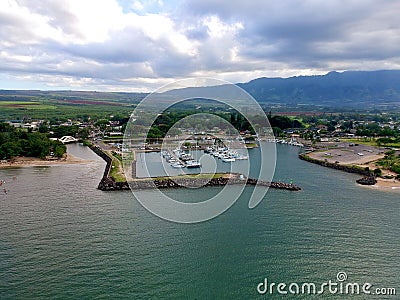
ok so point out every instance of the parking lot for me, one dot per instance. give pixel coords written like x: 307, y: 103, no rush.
x: 346, y: 153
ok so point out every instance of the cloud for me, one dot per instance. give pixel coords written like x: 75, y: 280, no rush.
x: 112, y: 44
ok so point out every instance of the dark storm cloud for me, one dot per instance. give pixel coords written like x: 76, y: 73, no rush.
x: 298, y: 30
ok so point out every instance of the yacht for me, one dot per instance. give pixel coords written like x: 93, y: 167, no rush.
x: 208, y: 150
x: 193, y: 164
x: 177, y: 165
x: 228, y: 159
x: 242, y: 157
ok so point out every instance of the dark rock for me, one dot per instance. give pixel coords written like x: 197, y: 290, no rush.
x: 367, y: 180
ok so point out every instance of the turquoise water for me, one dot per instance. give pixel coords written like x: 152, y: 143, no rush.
x: 61, y: 238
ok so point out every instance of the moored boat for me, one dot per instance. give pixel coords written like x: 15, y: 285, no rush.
x: 193, y: 164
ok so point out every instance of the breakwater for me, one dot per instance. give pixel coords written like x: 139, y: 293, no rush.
x: 367, y: 179
x: 190, y: 181
x: 107, y: 183
x: 346, y: 168
x: 103, y: 155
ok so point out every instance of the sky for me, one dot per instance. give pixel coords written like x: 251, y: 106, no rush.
x: 118, y: 45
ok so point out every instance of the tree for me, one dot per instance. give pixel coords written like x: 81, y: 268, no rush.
x: 15, y: 142
x: 43, y: 128
x: 378, y: 172
x: 102, y: 124
x: 83, y: 133
x: 277, y: 131
x: 10, y: 150
x: 59, y: 150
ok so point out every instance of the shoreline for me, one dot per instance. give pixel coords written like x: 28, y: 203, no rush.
x: 356, y: 167
x: 26, y: 162
x: 386, y: 185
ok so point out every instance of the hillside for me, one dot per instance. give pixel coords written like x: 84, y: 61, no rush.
x: 351, y: 88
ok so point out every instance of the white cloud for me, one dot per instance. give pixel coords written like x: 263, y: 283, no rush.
x: 143, y: 44
x: 217, y: 28
x: 4, y: 55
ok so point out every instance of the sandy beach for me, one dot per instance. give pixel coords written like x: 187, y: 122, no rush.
x: 21, y: 162
x: 388, y: 185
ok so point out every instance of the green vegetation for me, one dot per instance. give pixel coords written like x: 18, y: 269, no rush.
x: 117, y: 156
x: 384, y: 141
x: 364, y: 141
x: 209, y: 176
x: 373, y: 129
x: 116, y: 171
x: 377, y: 172
x: 16, y: 142
x: 18, y: 103
x: 388, y: 142
x: 284, y: 122
x: 251, y: 145
x: 165, y: 121
x: 63, y: 105
x: 391, y: 162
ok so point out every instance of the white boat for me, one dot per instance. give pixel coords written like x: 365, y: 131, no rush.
x: 177, y: 165
x: 208, y: 150
x: 228, y: 159
x: 186, y: 156
x: 233, y: 154
x: 192, y: 164
x: 222, y: 154
x: 242, y: 157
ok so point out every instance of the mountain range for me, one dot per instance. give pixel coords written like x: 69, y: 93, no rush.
x: 349, y: 88
x: 359, y: 89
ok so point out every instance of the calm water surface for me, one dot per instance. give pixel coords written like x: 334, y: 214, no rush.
x: 61, y: 238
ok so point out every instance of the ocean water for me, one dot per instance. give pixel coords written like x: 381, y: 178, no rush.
x: 61, y: 238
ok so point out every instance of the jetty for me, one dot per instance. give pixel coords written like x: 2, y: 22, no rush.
x: 192, y: 180
x: 368, y: 177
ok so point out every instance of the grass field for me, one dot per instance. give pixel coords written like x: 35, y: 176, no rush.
x: 25, y: 105
x: 116, y: 171
x: 204, y: 175
x: 18, y: 103
x: 14, y: 110
x: 370, y: 142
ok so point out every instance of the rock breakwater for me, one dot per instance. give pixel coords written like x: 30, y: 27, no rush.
x: 368, y: 178
x: 108, y: 184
